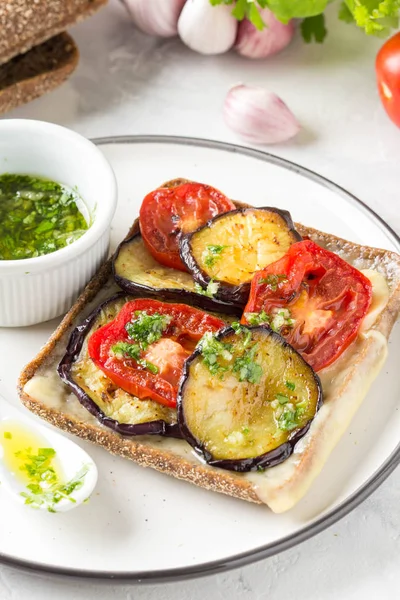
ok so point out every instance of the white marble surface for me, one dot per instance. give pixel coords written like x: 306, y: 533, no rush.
x: 128, y: 83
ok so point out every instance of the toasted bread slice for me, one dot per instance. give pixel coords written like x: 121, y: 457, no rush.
x: 27, y: 23
x: 345, y: 384
x: 36, y: 72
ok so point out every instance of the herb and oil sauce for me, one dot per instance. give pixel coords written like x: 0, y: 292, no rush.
x: 37, y: 217
x: 37, y: 467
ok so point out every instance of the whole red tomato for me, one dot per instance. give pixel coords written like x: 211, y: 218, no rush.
x: 388, y: 74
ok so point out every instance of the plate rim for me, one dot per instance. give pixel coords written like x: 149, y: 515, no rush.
x: 251, y: 556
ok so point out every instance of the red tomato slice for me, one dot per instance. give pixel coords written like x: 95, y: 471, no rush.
x: 167, y: 213
x: 326, y: 299
x: 388, y: 76
x: 167, y: 353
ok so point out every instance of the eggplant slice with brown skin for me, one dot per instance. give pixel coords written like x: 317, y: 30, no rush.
x: 137, y: 272
x: 112, y: 406
x: 246, y: 398
x: 231, y: 247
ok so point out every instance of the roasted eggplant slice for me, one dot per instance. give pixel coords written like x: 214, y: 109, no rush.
x: 112, y: 406
x: 230, y: 248
x: 246, y: 398
x: 137, y: 272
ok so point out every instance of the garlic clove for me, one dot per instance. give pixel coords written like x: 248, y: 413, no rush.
x: 207, y: 29
x: 156, y: 17
x: 259, y: 116
x: 275, y: 36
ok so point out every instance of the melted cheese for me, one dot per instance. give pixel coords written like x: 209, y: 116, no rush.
x: 344, y: 384
x: 380, y: 297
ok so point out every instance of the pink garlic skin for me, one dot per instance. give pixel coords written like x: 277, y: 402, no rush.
x: 259, y: 116
x: 275, y: 36
x: 156, y: 17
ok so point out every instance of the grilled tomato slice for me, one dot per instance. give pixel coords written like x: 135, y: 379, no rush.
x: 232, y: 247
x: 112, y: 406
x: 143, y: 350
x: 312, y: 297
x: 169, y: 212
x: 246, y: 398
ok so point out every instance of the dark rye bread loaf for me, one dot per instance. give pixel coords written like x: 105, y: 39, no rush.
x: 41, y: 69
x: 27, y: 23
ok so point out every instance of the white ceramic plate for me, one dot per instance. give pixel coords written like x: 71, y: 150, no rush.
x: 144, y: 525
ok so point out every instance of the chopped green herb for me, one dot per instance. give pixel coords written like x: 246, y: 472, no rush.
x: 282, y: 399
x: 40, y: 495
x: 210, y: 291
x: 147, y: 329
x: 245, y: 430
x: 290, y: 385
x: 212, y: 254
x: 260, y: 469
x: 260, y: 318
x: 273, y: 281
x: 288, y: 420
x: 7, y: 435
x: 127, y: 350
x: 38, y: 466
x: 212, y: 350
x: 37, y: 217
x: 281, y: 318
x: 246, y: 368
x: 240, y: 329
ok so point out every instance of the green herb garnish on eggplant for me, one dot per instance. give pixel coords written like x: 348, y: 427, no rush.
x: 246, y: 398
x: 137, y: 272
x: 112, y: 406
x: 231, y: 247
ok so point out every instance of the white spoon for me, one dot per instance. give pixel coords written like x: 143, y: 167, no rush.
x: 18, y: 432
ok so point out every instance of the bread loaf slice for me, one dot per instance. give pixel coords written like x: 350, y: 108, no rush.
x: 280, y: 487
x: 27, y: 23
x: 30, y: 75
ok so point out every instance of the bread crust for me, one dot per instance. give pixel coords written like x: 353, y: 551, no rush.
x: 166, y: 461
x: 40, y: 70
x: 25, y: 24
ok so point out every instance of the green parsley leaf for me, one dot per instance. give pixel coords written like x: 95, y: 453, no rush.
x: 284, y: 10
x: 345, y: 14
x: 376, y: 17
x: 313, y: 29
x: 290, y: 385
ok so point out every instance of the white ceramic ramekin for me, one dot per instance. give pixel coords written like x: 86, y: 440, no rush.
x: 33, y: 290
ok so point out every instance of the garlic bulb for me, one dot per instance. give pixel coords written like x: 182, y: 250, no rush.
x: 207, y: 29
x: 259, y: 116
x: 156, y: 17
x: 275, y: 36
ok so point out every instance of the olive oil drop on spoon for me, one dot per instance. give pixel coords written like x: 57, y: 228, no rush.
x: 41, y: 468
